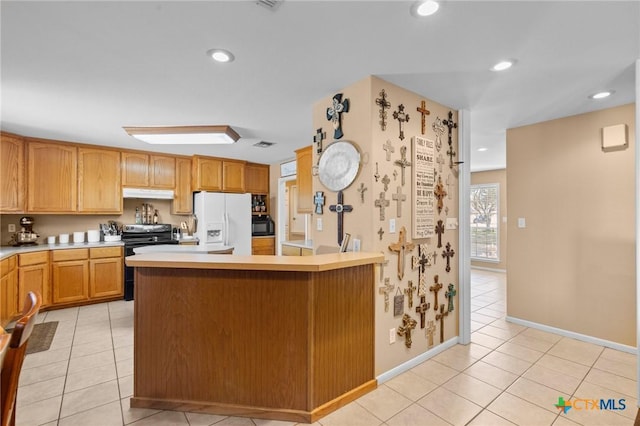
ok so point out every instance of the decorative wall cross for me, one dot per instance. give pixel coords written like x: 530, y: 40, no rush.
x: 409, y: 292
x: 381, y: 203
x: 318, y: 138
x: 408, y: 324
x: 438, y: 128
x: 380, y: 233
x: 449, y: 185
x: 402, y: 118
x: 340, y: 209
x: 334, y: 114
x: 422, y: 309
x: 402, y: 162
x: 361, y: 190
x: 422, y: 109
x: 389, y: 149
x: 395, y: 175
x: 384, y: 104
x: 402, y: 247
x: 440, y: 193
x: 451, y: 125
x: 382, y: 265
x: 440, y: 161
x: 385, y: 181
x: 421, y: 262
x: 318, y: 200
x: 440, y: 230
x: 450, y: 294
x: 399, y: 197
x: 440, y: 317
x: 431, y: 328
x: 376, y: 175
x: 435, y: 288
x: 386, y: 289
x: 451, y: 153
x: 448, y: 254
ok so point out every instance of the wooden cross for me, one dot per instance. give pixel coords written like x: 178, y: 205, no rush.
x: 385, y: 182
x: 380, y: 233
x: 448, y: 253
x: 376, y: 175
x: 440, y: 317
x: 402, y: 162
x: 381, y: 203
x: 399, y: 197
x: 402, y: 117
x: 431, y: 328
x: 438, y: 128
x: 451, y: 153
x: 440, y: 231
x: 318, y: 200
x: 449, y: 185
x: 409, y: 292
x: 421, y: 261
x: 440, y: 193
x: 340, y: 208
x: 384, y: 104
x: 422, y: 109
x: 361, y: 190
x: 408, y: 324
x: 440, y: 161
x: 389, y: 149
x: 451, y: 125
x: 422, y: 309
x: 318, y: 138
x: 382, y: 265
x: 435, y: 288
x: 401, y: 247
x: 449, y: 294
x: 334, y: 114
x: 386, y: 289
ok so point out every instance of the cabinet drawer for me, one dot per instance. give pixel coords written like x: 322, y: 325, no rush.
x: 27, y: 259
x: 290, y: 251
x: 70, y: 254
x: 7, y: 265
x: 100, y: 252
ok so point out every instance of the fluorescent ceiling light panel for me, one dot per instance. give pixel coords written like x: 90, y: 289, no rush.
x: 184, y: 135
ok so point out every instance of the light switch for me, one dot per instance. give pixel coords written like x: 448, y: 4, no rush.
x: 356, y: 244
x: 319, y: 224
x: 504, y: 219
x: 522, y: 223
x: 392, y: 226
x: 392, y: 336
x: 452, y: 223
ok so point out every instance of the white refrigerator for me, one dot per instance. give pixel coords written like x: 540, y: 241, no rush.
x: 224, y: 220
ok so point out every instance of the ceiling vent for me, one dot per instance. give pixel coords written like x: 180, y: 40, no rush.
x: 263, y: 144
x: 270, y: 4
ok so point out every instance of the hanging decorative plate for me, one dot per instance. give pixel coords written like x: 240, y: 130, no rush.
x: 339, y: 165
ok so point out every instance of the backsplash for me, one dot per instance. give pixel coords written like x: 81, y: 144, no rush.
x: 56, y: 224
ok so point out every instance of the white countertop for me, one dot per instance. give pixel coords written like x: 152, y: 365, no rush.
x: 305, y: 244
x: 175, y: 248
x: 6, y: 251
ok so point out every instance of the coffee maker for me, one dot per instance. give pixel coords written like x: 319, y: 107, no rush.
x: 26, y: 235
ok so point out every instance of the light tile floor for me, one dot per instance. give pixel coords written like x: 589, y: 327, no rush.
x: 508, y: 375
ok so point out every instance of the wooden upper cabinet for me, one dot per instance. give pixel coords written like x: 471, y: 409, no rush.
x: 256, y: 178
x: 11, y: 173
x: 162, y: 172
x: 135, y: 169
x: 51, y: 177
x: 183, y: 197
x: 233, y: 176
x: 304, y: 162
x: 99, y: 188
x: 207, y: 174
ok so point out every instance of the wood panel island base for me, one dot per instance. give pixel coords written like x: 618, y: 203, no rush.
x: 274, y: 337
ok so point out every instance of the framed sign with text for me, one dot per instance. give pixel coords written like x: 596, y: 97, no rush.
x: 423, y: 223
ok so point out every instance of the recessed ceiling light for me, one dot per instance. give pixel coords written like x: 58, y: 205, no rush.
x: 221, y: 55
x: 425, y: 8
x: 602, y: 95
x: 483, y: 149
x: 503, y: 65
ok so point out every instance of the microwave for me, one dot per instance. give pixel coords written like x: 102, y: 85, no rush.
x: 262, y: 225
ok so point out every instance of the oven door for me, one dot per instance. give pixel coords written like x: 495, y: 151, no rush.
x: 129, y: 284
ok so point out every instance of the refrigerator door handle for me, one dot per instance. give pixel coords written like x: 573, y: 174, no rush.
x: 226, y: 229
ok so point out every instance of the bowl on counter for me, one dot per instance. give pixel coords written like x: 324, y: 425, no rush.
x: 112, y: 238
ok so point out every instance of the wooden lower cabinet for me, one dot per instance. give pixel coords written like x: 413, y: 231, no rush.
x: 106, y: 277
x: 33, y: 275
x: 8, y: 289
x: 263, y: 245
x: 296, y: 251
x: 70, y: 275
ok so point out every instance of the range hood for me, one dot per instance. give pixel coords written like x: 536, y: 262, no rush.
x: 155, y: 194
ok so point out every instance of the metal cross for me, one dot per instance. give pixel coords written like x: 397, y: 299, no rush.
x: 382, y: 265
x: 440, y: 317
x: 334, y: 114
x: 376, y: 175
x: 422, y: 109
x: 402, y: 247
x: 408, y: 324
x: 340, y: 209
x: 422, y: 260
x: 422, y: 309
x: 384, y: 104
x: 402, y: 162
x: 409, y: 292
x: 380, y: 233
x: 385, y: 182
x: 318, y: 200
x: 386, y: 289
x: 389, y: 149
x: 439, y: 230
x: 431, y: 328
x: 448, y: 254
x: 435, y: 288
x: 451, y: 153
x: 361, y: 190
x: 381, y: 203
x: 402, y: 117
x: 440, y: 193
x: 399, y: 197
x: 449, y: 185
x: 451, y: 292
x: 439, y: 129
x: 440, y: 161
x: 451, y: 125
x: 318, y: 138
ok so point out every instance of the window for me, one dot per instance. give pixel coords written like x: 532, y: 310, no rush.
x: 484, y: 222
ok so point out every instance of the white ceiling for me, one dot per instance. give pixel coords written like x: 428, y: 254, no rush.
x: 79, y: 71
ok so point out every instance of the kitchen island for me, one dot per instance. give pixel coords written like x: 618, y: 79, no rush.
x: 274, y: 337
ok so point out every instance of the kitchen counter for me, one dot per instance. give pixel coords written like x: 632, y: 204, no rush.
x: 305, y: 244
x: 175, y: 248
x: 6, y: 251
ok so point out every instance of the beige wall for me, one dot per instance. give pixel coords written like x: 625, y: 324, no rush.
x: 360, y: 126
x: 499, y: 177
x: 573, y: 266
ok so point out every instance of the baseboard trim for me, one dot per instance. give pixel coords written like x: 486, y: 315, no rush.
x: 406, y: 366
x: 483, y: 268
x: 574, y: 335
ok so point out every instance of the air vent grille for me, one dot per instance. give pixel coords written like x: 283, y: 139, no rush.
x: 263, y: 144
x: 270, y: 4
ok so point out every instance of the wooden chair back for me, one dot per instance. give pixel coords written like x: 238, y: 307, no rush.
x: 14, y: 358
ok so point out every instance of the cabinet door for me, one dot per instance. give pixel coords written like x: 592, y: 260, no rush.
x: 256, y: 178
x: 183, y: 196
x: 106, y: 277
x: 34, y: 278
x: 99, y: 185
x: 263, y: 245
x: 135, y: 170
x: 70, y: 281
x: 162, y: 172
x: 207, y: 174
x: 233, y: 176
x: 11, y: 301
x: 304, y: 162
x: 11, y: 174
x: 52, y: 182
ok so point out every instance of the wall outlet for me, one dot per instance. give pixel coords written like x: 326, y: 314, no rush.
x: 392, y: 336
x: 392, y: 226
x: 319, y: 224
x: 522, y: 223
x: 452, y: 223
x: 12, y: 227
